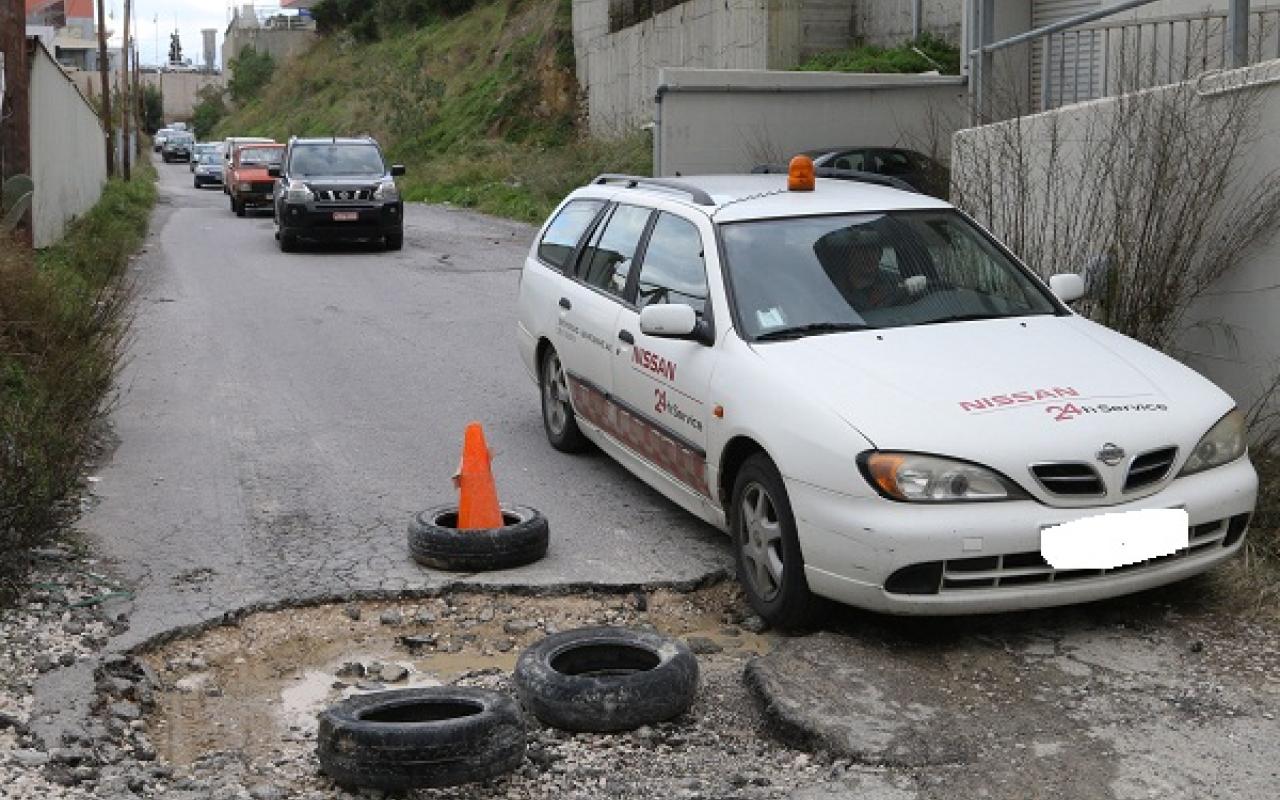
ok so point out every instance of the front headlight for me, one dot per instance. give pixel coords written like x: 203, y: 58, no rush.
x: 299, y: 193
x: 918, y: 478
x: 1223, y: 444
x: 244, y: 187
x: 386, y: 190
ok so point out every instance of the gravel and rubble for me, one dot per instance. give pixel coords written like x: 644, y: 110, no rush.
x: 1121, y: 700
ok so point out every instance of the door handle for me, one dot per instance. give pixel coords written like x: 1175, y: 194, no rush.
x: 625, y: 335
x: 565, y: 304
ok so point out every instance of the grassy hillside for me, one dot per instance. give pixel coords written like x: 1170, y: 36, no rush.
x: 482, y: 108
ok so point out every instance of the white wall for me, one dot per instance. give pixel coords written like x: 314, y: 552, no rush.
x: 68, y: 151
x: 180, y: 89
x: 719, y: 121
x: 887, y: 23
x: 1232, y: 334
x: 619, y: 71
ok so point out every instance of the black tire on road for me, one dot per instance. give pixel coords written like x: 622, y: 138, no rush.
x: 765, y: 542
x: 240, y: 209
x: 419, y: 738
x: 288, y: 241
x: 606, y: 680
x: 435, y: 541
x: 558, y: 418
x: 394, y: 241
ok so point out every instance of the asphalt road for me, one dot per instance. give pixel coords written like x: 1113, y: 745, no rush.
x: 282, y: 416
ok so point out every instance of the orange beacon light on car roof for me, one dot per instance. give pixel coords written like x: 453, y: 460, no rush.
x: 800, y: 174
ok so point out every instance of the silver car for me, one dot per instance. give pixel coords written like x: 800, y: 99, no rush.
x: 207, y: 170
x: 200, y: 148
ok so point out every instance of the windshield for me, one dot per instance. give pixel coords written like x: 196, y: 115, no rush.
x: 208, y: 158
x: 261, y: 156
x: 336, y: 159
x: 810, y: 275
x: 178, y: 138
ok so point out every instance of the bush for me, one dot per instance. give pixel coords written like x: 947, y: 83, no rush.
x: 209, y: 111
x: 152, y: 109
x: 62, y: 319
x: 250, y: 71
x: 938, y: 55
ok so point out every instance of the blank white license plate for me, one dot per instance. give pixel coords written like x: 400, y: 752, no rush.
x: 1107, y: 541
x: 346, y: 216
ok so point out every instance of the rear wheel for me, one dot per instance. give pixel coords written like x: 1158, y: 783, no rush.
x: 766, y: 548
x: 557, y: 413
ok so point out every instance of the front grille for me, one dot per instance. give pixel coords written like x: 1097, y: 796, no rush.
x: 1150, y: 468
x: 334, y: 195
x: 1022, y: 569
x: 1069, y: 479
x: 263, y: 186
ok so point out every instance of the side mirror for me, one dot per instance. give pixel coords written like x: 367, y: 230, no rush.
x: 397, y: 170
x: 1068, y: 286
x: 669, y: 320
x: 273, y: 172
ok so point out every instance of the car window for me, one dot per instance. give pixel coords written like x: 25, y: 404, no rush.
x: 673, y: 270
x: 606, y: 261
x: 849, y: 160
x: 260, y: 156
x: 565, y: 231
x: 880, y: 270
x: 336, y: 160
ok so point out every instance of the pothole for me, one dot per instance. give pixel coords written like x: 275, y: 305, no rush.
x: 259, y: 684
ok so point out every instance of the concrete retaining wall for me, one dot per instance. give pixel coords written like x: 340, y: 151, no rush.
x: 281, y: 44
x: 1232, y: 334
x: 68, y: 151
x: 717, y: 121
x: 180, y: 89
x: 887, y: 23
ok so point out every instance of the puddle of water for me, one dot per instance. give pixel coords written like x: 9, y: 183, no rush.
x: 261, y: 683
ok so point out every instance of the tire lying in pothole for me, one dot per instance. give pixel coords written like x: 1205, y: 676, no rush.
x: 435, y: 541
x: 607, y: 679
x: 420, y: 738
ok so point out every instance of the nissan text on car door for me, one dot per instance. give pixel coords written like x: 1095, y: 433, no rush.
x: 877, y: 401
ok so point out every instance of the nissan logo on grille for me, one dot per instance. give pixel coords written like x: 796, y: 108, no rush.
x: 1111, y: 454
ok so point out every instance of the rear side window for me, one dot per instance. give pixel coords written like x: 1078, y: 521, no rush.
x: 565, y: 231
x: 606, y: 261
x: 673, y: 270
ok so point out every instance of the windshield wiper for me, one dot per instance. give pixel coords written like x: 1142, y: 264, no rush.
x: 966, y: 318
x: 796, y: 331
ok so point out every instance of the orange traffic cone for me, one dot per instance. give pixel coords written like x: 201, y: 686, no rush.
x: 477, y: 495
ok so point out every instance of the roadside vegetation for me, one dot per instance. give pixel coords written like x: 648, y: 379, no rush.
x: 921, y: 55
x: 478, y: 100
x: 62, y: 319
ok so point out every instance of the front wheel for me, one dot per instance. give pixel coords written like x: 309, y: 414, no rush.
x: 394, y: 241
x: 557, y: 412
x: 766, y: 548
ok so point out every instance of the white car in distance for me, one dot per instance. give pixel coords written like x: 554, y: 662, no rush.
x: 877, y: 401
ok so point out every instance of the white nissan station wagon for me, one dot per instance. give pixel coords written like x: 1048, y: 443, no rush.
x: 875, y: 399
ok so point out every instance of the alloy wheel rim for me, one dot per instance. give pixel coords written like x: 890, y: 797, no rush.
x: 555, y: 395
x: 760, y: 540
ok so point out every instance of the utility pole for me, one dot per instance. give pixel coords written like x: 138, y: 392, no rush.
x: 126, y: 109
x: 15, y: 121
x: 105, y: 73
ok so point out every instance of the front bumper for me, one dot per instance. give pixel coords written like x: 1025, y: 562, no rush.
x: 317, y: 221
x: 253, y: 199
x: 852, y: 546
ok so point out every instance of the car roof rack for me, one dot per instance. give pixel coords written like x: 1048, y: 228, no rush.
x: 633, y: 181
x: 842, y: 175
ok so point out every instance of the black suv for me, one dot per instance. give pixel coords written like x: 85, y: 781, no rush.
x: 337, y: 189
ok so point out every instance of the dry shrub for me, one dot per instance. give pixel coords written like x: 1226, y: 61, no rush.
x: 62, y: 323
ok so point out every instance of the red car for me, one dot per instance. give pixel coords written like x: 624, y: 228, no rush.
x: 248, y: 182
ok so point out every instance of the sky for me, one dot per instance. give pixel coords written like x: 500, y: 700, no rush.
x: 189, y: 17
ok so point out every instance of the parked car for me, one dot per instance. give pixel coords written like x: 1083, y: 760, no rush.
x: 337, y: 189
x: 207, y: 170
x: 157, y: 141
x: 874, y: 397
x: 198, y: 149
x: 916, y: 169
x: 228, y: 148
x: 249, y: 182
x: 177, y: 147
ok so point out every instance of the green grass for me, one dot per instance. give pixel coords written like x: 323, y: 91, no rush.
x: 62, y: 320
x: 942, y: 56
x: 482, y: 108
